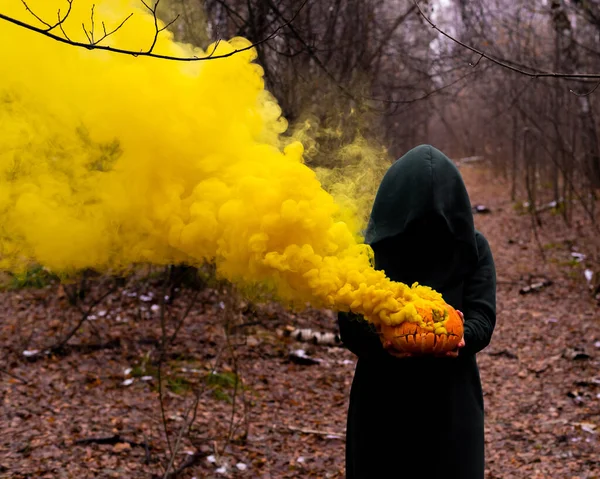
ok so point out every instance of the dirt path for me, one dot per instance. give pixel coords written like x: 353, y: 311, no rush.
x: 541, y: 377
x: 538, y: 390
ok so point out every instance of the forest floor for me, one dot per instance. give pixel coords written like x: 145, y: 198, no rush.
x: 236, y: 404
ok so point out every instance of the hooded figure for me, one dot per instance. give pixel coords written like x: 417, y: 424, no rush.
x: 422, y: 417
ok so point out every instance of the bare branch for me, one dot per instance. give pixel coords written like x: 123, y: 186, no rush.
x: 85, y: 314
x: 186, y: 422
x: 183, y: 317
x: 215, y: 48
x: 86, y: 34
x: 107, y: 34
x: 59, y: 22
x: 526, y: 70
x: 157, y: 31
x: 14, y: 376
x: 91, y: 45
x: 335, y: 434
x: 312, y: 53
x: 38, y: 18
x: 477, y: 62
x: 425, y: 95
x: 585, y: 94
x: 169, y: 24
x: 147, y: 6
x: 161, y: 359
x: 92, y: 22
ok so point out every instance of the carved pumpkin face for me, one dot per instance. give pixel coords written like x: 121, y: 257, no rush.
x: 438, y: 333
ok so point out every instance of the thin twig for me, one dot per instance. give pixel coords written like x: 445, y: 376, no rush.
x: 585, y: 94
x: 84, y: 31
x: 238, y: 382
x: 157, y: 31
x: 188, y: 423
x: 178, y: 441
x: 148, y: 457
x: 61, y: 26
x: 14, y: 376
x: 531, y: 191
x: 37, y: 18
x: 167, y: 25
x: 183, y: 317
x: 108, y: 34
x: 477, y: 62
x: 92, y: 23
x: 190, y: 461
x: 161, y: 359
x: 425, y: 95
x: 569, y: 180
x: 302, y: 430
x: 235, y: 372
x: 84, y: 316
x: 201, y: 391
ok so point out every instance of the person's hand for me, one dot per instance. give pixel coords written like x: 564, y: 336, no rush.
x: 461, y: 344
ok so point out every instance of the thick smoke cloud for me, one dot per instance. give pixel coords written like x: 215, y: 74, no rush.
x: 108, y: 160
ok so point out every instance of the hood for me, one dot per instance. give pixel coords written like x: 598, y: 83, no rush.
x: 424, y: 183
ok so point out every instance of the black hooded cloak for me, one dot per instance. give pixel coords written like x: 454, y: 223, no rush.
x: 422, y: 417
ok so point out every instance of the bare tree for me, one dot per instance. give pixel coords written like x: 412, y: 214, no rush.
x: 539, y: 88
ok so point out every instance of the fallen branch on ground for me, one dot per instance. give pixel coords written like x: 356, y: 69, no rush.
x: 504, y: 353
x: 535, y: 287
x: 190, y: 461
x: 329, y: 434
x: 14, y: 376
x: 112, y: 440
x: 315, y: 337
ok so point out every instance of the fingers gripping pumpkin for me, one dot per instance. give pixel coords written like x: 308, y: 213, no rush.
x: 436, y: 332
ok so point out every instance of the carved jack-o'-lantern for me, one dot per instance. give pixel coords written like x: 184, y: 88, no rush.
x: 437, y: 333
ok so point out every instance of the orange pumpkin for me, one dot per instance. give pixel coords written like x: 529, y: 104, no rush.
x: 428, y: 337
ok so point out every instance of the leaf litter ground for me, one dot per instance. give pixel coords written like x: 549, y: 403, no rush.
x: 92, y: 409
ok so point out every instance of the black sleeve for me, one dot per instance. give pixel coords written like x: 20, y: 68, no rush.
x: 479, y: 302
x: 359, y: 336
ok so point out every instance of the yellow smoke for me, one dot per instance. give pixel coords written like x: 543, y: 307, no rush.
x: 108, y: 160
x: 347, y: 165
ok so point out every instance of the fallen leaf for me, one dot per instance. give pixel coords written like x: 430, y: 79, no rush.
x: 121, y: 447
